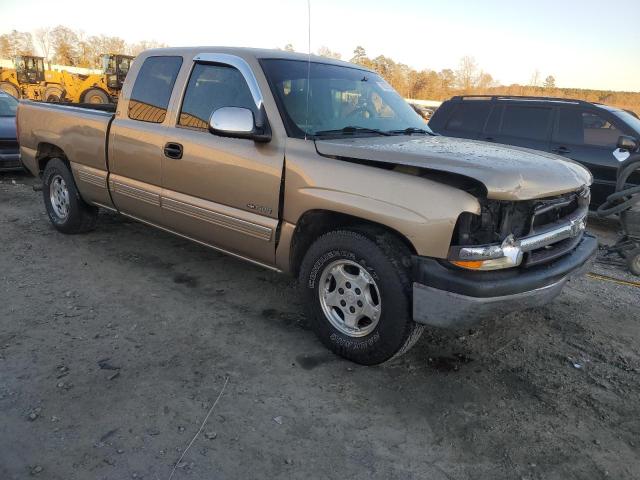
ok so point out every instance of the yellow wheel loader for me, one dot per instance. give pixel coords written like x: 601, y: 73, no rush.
x: 30, y: 80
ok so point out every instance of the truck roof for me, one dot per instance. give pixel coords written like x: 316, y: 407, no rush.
x: 244, y: 52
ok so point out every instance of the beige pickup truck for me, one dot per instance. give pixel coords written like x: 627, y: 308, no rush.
x: 319, y: 168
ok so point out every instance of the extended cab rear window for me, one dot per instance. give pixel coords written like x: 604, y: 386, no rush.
x: 153, y: 87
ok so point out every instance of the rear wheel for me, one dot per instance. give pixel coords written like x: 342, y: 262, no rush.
x: 10, y: 88
x: 358, y: 291
x: 96, y: 96
x: 53, y: 94
x: 66, y: 209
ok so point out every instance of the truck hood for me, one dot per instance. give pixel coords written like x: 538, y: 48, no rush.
x: 508, y: 173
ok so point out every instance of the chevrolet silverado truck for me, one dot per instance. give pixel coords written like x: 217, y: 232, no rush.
x: 319, y: 168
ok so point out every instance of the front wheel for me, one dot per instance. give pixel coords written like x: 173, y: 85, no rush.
x: 96, y: 96
x: 66, y: 209
x: 358, y: 292
x: 53, y: 95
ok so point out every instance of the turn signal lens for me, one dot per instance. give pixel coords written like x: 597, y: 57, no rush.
x: 471, y: 264
x: 487, y: 257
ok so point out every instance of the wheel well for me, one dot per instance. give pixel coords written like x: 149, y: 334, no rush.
x: 47, y: 151
x: 315, y: 223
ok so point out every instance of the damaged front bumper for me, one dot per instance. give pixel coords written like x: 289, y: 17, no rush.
x: 452, y: 297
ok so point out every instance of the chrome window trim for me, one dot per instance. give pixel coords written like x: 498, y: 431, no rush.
x: 241, y: 65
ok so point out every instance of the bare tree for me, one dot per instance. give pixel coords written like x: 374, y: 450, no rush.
x: 43, y: 40
x: 64, y: 42
x: 325, y: 52
x: 485, y: 81
x: 86, y: 51
x: 550, y: 82
x: 467, y: 74
x: 6, y: 46
x: 16, y: 43
x: 447, y: 79
x: 137, y: 48
x: 23, y: 43
x: 535, y: 78
x: 359, y: 55
x: 112, y: 44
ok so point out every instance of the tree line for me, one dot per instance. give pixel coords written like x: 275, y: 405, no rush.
x: 64, y: 46
x: 469, y: 79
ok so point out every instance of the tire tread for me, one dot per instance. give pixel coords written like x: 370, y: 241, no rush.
x: 399, y: 258
x: 83, y: 217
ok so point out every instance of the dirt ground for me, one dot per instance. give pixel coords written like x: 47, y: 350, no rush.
x: 115, y: 344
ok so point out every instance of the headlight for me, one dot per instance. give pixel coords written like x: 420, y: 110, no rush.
x: 488, y: 257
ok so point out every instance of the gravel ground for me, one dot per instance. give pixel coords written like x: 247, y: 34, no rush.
x: 115, y: 344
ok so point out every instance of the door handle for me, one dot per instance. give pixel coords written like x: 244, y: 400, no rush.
x: 489, y: 139
x: 173, y: 150
x: 561, y: 150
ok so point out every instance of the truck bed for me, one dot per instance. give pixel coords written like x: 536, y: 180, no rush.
x: 78, y: 130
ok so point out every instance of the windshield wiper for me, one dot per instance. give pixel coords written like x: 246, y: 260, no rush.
x: 350, y: 130
x: 410, y: 130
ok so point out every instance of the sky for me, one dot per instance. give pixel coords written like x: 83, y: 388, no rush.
x: 582, y: 43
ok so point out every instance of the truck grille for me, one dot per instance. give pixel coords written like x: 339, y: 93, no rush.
x: 565, y: 214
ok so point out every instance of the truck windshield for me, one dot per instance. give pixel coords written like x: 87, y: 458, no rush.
x: 342, y: 101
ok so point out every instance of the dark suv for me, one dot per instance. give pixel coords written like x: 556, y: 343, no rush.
x: 583, y: 131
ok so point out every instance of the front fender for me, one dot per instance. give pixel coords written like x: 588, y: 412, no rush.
x: 422, y: 210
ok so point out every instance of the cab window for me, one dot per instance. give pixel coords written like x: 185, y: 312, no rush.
x: 213, y: 86
x: 153, y: 87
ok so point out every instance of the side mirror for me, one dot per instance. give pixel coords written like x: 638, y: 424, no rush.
x: 237, y: 122
x: 627, y: 143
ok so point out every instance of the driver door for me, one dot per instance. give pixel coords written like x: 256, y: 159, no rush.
x: 222, y: 191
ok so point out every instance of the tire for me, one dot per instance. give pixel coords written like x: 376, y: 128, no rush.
x: 53, y: 95
x: 10, y: 88
x: 95, y: 96
x: 383, y: 262
x: 633, y: 261
x: 66, y: 209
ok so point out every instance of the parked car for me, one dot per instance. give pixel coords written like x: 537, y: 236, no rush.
x: 585, y: 132
x: 424, y: 112
x: 388, y: 227
x: 9, y: 149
